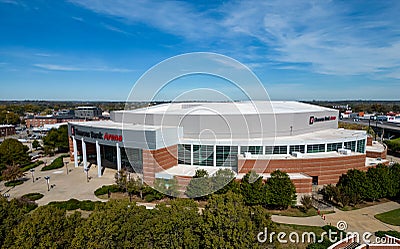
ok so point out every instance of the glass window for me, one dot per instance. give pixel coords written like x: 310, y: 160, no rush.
x: 315, y: 148
x: 203, y: 155
x: 296, y: 148
x: 350, y: 145
x: 255, y: 150
x: 184, y: 152
x: 226, y: 156
x: 361, y: 146
x: 281, y: 149
x: 334, y: 146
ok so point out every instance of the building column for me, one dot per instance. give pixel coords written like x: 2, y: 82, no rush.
x: 118, y: 158
x: 84, y: 155
x: 191, y: 154
x: 98, y: 155
x: 215, y: 155
x: 75, y: 151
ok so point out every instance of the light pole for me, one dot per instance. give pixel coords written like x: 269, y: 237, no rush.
x: 66, y: 166
x: 33, y: 175
x: 47, y: 178
x: 87, y: 174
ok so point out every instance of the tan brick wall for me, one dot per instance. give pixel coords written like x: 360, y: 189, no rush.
x: 158, y: 160
x: 369, y: 141
x: 374, y: 154
x: 328, y: 169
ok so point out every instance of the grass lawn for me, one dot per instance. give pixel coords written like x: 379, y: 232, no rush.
x: 391, y: 217
x: 288, y: 228
x: 296, y: 212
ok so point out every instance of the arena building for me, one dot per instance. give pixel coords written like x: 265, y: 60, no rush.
x: 176, y: 139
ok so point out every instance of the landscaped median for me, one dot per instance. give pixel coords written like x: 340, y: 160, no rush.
x: 56, y: 164
x: 391, y: 217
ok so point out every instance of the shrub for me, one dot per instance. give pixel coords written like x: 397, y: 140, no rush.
x: 13, y: 183
x: 104, y: 189
x: 149, y: 198
x: 306, y: 201
x: 56, y: 164
x: 87, y: 205
x: 33, y: 196
x: 31, y: 166
x: 73, y: 204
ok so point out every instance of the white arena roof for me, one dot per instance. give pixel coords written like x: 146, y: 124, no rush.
x: 245, y: 107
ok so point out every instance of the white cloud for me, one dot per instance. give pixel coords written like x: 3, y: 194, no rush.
x: 173, y: 17
x: 55, y: 67
x: 115, y: 29
x: 327, y: 37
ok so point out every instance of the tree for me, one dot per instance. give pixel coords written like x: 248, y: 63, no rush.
x: 199, y: 186
x: 306, y: 201
x: 223, y: 181
x: 281, y: 192
x: 121, y: 179
x: 395, y: 176
x: 229, y: 223
x: 11, y: 214
x: 167, y: 186
x: 252, y: 189
x: 46, y: 227
x: 57, y: 139
x: 135, y: 187
x: 353, y: 185
x: 35, y: 144
x: 13, y: 152
x: 382, y: 182
x: 12, y: 173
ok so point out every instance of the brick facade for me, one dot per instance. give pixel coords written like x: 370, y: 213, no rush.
x: 157, y: 160
x: 376, y: 154
x: 327, y: 169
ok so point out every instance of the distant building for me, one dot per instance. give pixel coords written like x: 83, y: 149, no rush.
x: 88, y: 112
x: 40, y: 121
x: 7, y: 130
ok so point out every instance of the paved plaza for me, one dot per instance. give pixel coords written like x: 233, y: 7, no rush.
x: 65, y: 187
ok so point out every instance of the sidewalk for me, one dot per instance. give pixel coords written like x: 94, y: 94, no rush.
x: 361, y: 220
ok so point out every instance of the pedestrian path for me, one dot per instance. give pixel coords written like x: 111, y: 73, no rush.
x: 360, y: 220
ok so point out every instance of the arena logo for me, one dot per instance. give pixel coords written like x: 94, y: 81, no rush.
x: 112, y: 137
x: 326, y: 118
x: 96, y: 135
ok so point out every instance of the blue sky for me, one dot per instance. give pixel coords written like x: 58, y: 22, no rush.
x: 300, y: 50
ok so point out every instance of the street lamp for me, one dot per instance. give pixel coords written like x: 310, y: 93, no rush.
x: 66, y: 166
x: 47, y: 178
x: 87, y: 174
x: 33, y: 175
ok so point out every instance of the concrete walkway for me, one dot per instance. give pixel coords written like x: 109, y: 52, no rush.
x: 65, y: 187
x: 361, y: 220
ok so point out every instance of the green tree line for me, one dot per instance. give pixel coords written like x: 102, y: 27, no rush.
x: 226, y: 222
x: 357, y: 186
